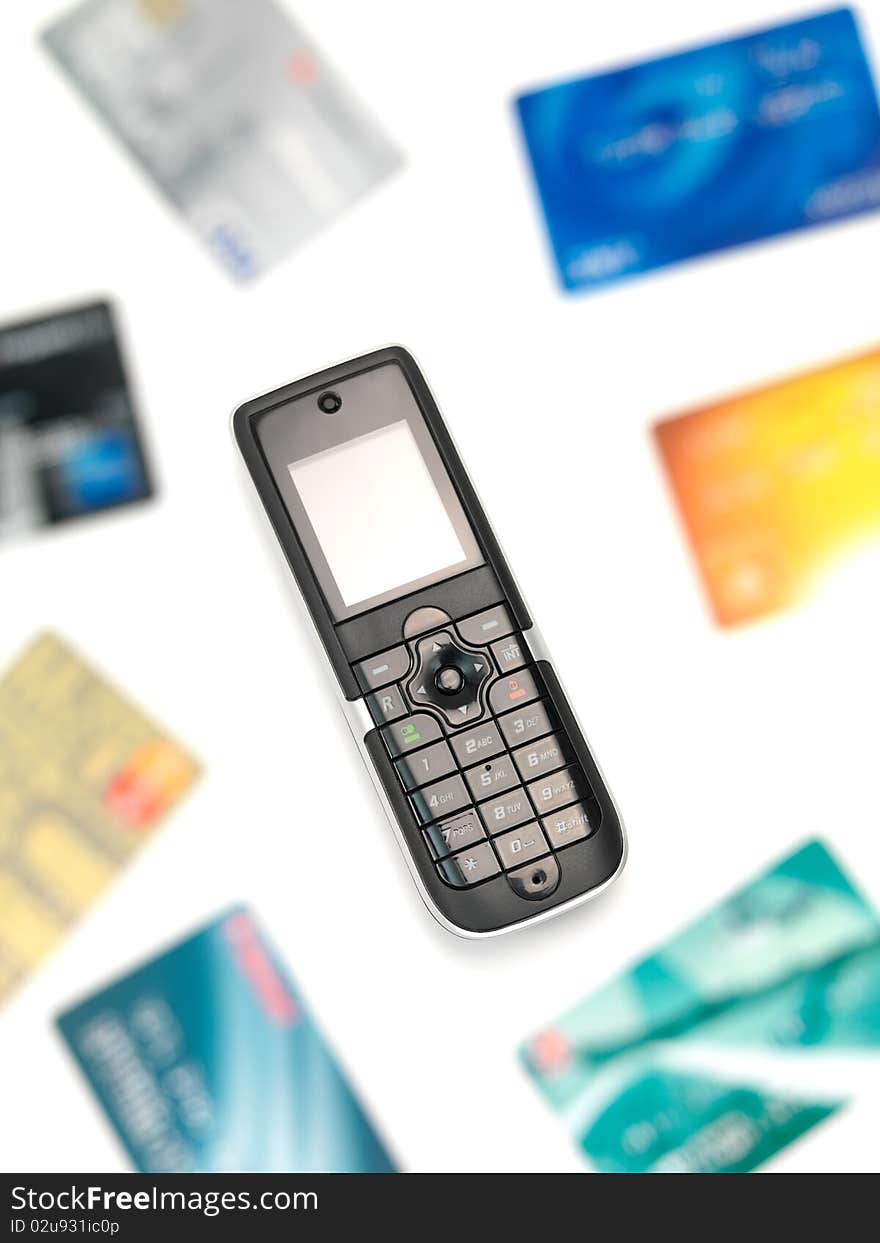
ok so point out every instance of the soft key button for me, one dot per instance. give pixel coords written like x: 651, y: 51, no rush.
x: 387, y: 667
x: 486, y: 627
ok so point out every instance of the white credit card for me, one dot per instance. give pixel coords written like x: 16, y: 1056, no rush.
x: 232, y: 111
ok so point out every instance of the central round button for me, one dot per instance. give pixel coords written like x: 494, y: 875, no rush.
x: 449, y: 680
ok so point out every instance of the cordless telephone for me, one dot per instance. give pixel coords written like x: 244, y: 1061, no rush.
x: 485, y: 775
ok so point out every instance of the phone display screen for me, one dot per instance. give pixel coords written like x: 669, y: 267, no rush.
x: 373, y: 505
x: 377, y: 513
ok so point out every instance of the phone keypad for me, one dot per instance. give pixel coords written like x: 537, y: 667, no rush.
x: 495, y: 788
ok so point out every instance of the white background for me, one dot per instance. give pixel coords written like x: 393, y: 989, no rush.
x: 724, y: 749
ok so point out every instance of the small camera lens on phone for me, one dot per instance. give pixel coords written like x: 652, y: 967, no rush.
x: 329, y: 403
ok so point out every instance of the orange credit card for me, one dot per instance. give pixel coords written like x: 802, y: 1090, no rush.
x: 778, y: 485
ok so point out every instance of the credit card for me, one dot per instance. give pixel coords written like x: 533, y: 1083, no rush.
x: 713, y: 147
x: 85, y: 778
x: 779, y: 485
x: 69, y: 442
x: 667, y: 1122
x: 233, y: 112
x: 790, y: 962
x: 206, y: 1060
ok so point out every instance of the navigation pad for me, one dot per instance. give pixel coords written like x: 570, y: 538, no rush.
x: 449, y: 677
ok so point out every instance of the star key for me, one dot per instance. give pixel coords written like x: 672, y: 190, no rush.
x: 470, y: 867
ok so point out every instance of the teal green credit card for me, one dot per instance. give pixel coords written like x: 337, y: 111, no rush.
x: 789, y: 964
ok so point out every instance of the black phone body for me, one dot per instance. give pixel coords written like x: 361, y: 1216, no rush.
x: 484, y: 772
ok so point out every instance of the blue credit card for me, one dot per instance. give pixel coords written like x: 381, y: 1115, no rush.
x: 711, y: 148
x: 205, y: 1060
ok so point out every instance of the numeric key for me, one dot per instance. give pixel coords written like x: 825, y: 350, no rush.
x: 505, y: 812
x: 520, y: 845
x: 480, y: 743
x: 447, y: 836
x: 542, y: 757
x: 558, y: 789
x: 491, y: 777
x: 528, y: 723
x: 425, y: 765
x: 440, y: 799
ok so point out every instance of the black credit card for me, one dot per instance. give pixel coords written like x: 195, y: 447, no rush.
x: 69, y: 442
